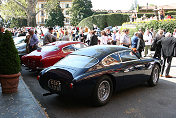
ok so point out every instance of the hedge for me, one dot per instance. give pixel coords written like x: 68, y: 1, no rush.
x: 171, y: 13
x: 168, y: 25
x: 146, y: 14
x: 104, y: 20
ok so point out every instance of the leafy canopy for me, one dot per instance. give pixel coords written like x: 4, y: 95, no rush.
x: 80, y: 9
x: 56, y: 17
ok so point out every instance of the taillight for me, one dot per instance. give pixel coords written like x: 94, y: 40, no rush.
x: 38, y: 77
x: 71, y: 85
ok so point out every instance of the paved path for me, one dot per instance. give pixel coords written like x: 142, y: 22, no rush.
x: 20, y: 105
x: 137, y: 102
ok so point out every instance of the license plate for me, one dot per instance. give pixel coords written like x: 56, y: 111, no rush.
x: 54, y: 85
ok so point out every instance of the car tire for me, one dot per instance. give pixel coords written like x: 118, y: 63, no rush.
x: 103, y: 91
x: 154, y: 78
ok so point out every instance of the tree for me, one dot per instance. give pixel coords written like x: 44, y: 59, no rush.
x: 80, y: 9
x: 133, y: 5
x: 24, y: 9
x: 56, y: 17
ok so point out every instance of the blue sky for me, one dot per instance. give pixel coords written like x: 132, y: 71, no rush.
x: 125, y: 4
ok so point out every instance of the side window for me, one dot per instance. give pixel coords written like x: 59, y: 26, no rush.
x: 69, y: 48
x: 79, y: 46
x: 112, y: 59
x: 127, y: 56
x: 22, y: 41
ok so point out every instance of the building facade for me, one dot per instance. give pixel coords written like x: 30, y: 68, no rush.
x: 42, y: 16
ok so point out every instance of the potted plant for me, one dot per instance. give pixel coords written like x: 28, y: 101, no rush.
x: 9, y: 64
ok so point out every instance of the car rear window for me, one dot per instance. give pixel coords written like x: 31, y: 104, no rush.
x: 78, y: 61
x: 49, y: 48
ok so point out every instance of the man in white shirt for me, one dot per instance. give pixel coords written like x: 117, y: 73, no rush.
x: 148, y: 42
x: 125, y: 39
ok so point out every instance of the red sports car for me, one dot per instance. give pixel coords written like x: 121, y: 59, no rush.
x: 49, y: 54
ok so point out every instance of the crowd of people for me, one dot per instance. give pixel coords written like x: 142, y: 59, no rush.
x: 140, y: 42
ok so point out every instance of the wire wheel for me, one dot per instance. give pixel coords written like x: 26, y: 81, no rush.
x: 104, y: 90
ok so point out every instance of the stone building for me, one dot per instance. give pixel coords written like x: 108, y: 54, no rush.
x: 43, y: 15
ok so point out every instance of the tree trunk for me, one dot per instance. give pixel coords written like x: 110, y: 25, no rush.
x: 31, y: 20
x: 31, y: 13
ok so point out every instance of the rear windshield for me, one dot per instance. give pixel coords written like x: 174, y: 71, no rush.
x: 18, y: 40
x: 78, y: 61
x: 49, y: 48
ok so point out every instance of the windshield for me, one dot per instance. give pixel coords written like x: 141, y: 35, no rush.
x: 49, y: 48
x: 78, y: 61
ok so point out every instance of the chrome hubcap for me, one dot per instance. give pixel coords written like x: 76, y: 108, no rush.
x: 155, y: 75
x: 103, y: 90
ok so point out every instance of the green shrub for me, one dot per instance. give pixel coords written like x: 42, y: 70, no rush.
x: 174, y: 16
x: 168, y: 25
x: 146, y: 14
x: 116, y: 19
x: 104, y: 20
x: 101, y: 12
x: 132, y: 31
x: 170, y: 13
x: 9, y: 59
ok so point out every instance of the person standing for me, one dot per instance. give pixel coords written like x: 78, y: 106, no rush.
x: 118, y: 34
x: 49, y: 38
x: 141, y: 44
x: 33, y: 45
x: 148, y: 43
x: 114, y: 39
x: 157, y: 47
x: 162, y: 14
x: 27, y: 41
x: 88, y: 38
x: 94, y: 39
x: 134, y: 41
x: 82, y: 36
x: 125, y: 39
x: 66, y: 37
x: 168, y: 44
x: 174, y: 33
x: 153, y: 33
x: 104, y: 38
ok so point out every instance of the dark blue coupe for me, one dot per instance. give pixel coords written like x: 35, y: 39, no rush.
x: 98, y: 71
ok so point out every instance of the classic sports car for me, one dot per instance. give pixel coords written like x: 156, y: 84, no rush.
x: 98, y: 71
x: 49, y: 54
x: 20, y: 45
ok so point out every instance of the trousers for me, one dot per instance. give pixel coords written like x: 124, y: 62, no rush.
x: 168, y: 60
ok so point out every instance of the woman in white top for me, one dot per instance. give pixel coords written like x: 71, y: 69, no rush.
x: 118, y: 35
x: 104, y: 38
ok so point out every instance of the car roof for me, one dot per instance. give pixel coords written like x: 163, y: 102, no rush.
x: 99, y: 51
x: 63, y: 43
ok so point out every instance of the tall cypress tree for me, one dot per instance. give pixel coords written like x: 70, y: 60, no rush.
x: 56, y: 17
x: 80, y: 9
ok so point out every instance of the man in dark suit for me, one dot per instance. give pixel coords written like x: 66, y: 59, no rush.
x: 157, y: 47
x: 168, y: 43
x: 94, y: 39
